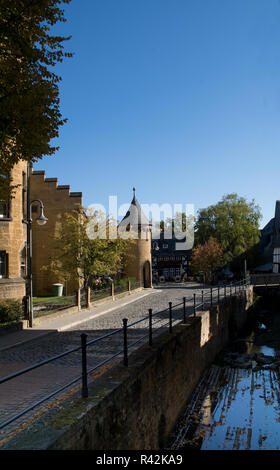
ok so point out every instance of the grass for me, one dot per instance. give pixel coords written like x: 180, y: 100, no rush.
x: 52, y: 300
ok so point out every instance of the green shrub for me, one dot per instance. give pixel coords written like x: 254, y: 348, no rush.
x: 10, y: 310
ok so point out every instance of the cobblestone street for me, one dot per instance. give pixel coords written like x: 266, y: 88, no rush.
x: 24, y: 391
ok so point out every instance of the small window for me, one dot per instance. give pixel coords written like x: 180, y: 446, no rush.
x: 24, y: 194
x: 4, y: 210
x: 23, y: 263
x: 3, y: 264
x: 165, y: 246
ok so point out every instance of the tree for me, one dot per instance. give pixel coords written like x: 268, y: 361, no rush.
x: 80, y: 254
x: 181, y: 226
x: 29, y: 96
x: 233, y: 222
x: 208, y: 258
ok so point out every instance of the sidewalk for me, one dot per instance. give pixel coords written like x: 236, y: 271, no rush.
x: 52, y: 325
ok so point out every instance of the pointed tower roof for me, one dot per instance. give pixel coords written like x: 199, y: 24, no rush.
x: 134, y: 216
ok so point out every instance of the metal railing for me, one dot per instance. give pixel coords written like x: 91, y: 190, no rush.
x: 166, y: 318
x: 265, y: 279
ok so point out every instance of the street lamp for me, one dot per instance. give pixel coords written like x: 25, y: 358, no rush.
x: 41, y: 220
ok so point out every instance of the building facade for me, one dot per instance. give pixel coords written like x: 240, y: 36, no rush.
x: 168, y: 261
x: 57, y: 201
x: 13, y: 237
x: 269, y: 245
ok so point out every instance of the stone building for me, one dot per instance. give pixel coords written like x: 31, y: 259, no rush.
x: 269, y: 245
x: 57, y: 201
x: 138, y: 263
x: 13, y: 235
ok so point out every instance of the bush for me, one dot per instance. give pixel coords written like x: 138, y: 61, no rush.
x: 10, y: 310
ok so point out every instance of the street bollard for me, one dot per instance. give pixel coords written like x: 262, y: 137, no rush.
x: 150, y: 327
x: 170, y: 317
x: 84, y: 365
x: 125, y: 349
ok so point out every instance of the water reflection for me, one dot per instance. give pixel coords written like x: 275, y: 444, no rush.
x: 241, y: 413
x: 237, y: 408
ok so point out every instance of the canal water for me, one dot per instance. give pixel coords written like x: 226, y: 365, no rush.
x: 236, y: 405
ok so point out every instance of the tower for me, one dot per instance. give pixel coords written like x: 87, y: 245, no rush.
x: 138, y: 263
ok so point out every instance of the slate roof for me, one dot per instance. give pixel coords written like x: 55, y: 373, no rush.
x: 134, y: 216
x: 171, y: 242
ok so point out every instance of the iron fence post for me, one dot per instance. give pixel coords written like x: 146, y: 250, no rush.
x: 225, y: 291
x: 194, y: 305
x: 211, y: 298
x: 170, y: 317
x: 125, y: 350
x: 218, y: 294
x: 84, y: 365
x: 184, y: 309
x: 150, y: 327
x: 202, y: 299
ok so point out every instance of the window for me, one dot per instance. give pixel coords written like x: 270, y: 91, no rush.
x: 23, y: 263
x: 276, y: 255
x: 24, y: 199
x: 3, y: 264
x: 165, y: 246
x: 4, y: 210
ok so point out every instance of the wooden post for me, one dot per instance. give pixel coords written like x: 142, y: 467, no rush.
x: 112, y: 291
x: 128, y: 286
x: 78, y: 298
x: 88, y: 297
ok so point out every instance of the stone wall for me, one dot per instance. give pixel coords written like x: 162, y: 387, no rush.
x: 136, y: 407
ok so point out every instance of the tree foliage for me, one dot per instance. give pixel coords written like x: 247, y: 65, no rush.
x: 207, y: 258
x: 181, y: 226
x: 82, y: 255
x: 233, y: 222
x: 29, y: 96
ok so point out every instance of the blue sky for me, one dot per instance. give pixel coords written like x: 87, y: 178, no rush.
x: 179, y: 98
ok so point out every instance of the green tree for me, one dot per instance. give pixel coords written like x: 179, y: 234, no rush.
x: 84, y: 248
x: 29, y: 96
x: 233, y: 222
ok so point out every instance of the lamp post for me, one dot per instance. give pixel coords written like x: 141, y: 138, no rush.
x: 41, y: 220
